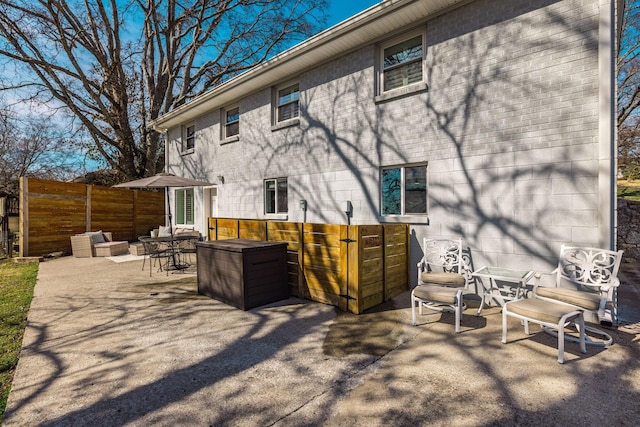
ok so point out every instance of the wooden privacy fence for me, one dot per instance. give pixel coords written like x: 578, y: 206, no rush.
x: 51, y: 212
x: 353, y: 267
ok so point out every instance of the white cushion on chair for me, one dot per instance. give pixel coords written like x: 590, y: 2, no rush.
x: 436, y: 293
x: 586, y: 300
x: 442, y: 278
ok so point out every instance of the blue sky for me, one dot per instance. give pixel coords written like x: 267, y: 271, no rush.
x: 343, y: 9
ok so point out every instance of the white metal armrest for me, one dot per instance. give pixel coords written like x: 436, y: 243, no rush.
x: 606, y: 294
x: 538, y: 276
x: 422, y: 267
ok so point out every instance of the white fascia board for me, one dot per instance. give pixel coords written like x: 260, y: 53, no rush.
x: 360, y: 30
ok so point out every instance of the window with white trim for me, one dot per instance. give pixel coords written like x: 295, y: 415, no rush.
x: 275, y: 196
x: 403, y: 190
x: 231, y: 122
x: 402, y: 62
x: 184, y: 206
x: 288, y: 103
x: 188, y: 137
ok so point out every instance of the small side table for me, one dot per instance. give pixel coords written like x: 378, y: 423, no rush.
x: 136, y: 248
x: 505, y: 275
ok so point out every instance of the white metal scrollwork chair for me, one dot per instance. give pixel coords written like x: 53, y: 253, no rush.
x: 586, y: 278
x: 441, y: 279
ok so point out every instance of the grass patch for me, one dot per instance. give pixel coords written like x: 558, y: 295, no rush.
x: 629, y: 192
x: 16, y: 291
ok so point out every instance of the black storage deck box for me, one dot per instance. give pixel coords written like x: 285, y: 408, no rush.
x: 243, y: 273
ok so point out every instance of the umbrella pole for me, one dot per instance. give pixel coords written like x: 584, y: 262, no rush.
x: 166, y: 194
x: 173, y: 250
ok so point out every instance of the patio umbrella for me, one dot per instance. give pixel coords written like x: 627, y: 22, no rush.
x: 163, y: 180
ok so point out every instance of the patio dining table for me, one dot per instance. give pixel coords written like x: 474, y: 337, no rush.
x: 170, y: 248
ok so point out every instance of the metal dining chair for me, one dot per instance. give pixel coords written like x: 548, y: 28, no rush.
x: 155, y: 251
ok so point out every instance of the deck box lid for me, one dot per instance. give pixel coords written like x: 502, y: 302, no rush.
x: 239, y: 245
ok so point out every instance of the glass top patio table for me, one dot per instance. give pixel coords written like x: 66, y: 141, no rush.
x: 502, y: 294
x: 504, y: 274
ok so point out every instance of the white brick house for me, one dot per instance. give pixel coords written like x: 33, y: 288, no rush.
x: 492, y: 120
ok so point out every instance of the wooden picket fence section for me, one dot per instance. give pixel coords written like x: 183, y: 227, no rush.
x: 51, y: 212
x: 353, y: 267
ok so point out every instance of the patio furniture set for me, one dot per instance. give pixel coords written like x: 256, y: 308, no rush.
x: 169, y: 251
x: 584, y: 282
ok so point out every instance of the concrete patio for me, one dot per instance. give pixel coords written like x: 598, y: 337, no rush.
x: 106, y: 345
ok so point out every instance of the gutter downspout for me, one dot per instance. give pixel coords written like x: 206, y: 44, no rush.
x: 607, y: 134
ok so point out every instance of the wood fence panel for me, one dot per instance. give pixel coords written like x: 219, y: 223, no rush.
x: 252, y: 229
x: 53, y: 209
x: 56, y: 189
x: 56, y: 203
x: 150, y: 212
x: 226, y: 229
x: 112, y: 210
x: 396, y: 266
x: 324, y: 263
x: 367, y: 262
x: 351, y: 267
x: 51, y: 212
x: 291, y: 233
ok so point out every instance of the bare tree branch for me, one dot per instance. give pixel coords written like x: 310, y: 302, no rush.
x: 628, y: 63
x: 30, y: 146
x: 114, y: 66
x: 628, y: 73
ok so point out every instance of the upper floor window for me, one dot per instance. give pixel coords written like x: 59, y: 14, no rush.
x: 231, y: 122
x: 184, y: 206
x: 404, y: 190
x: 275, y: 196
x: 402, y: 63
x: 288, y: 103
x: 188, y: 137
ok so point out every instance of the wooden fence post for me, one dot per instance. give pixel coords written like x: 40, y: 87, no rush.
x: 134, y: 225
x: 24, y: 216
x: 87, y: 213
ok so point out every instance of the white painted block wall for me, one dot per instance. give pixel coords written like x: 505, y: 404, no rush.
x: 509, y: 127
